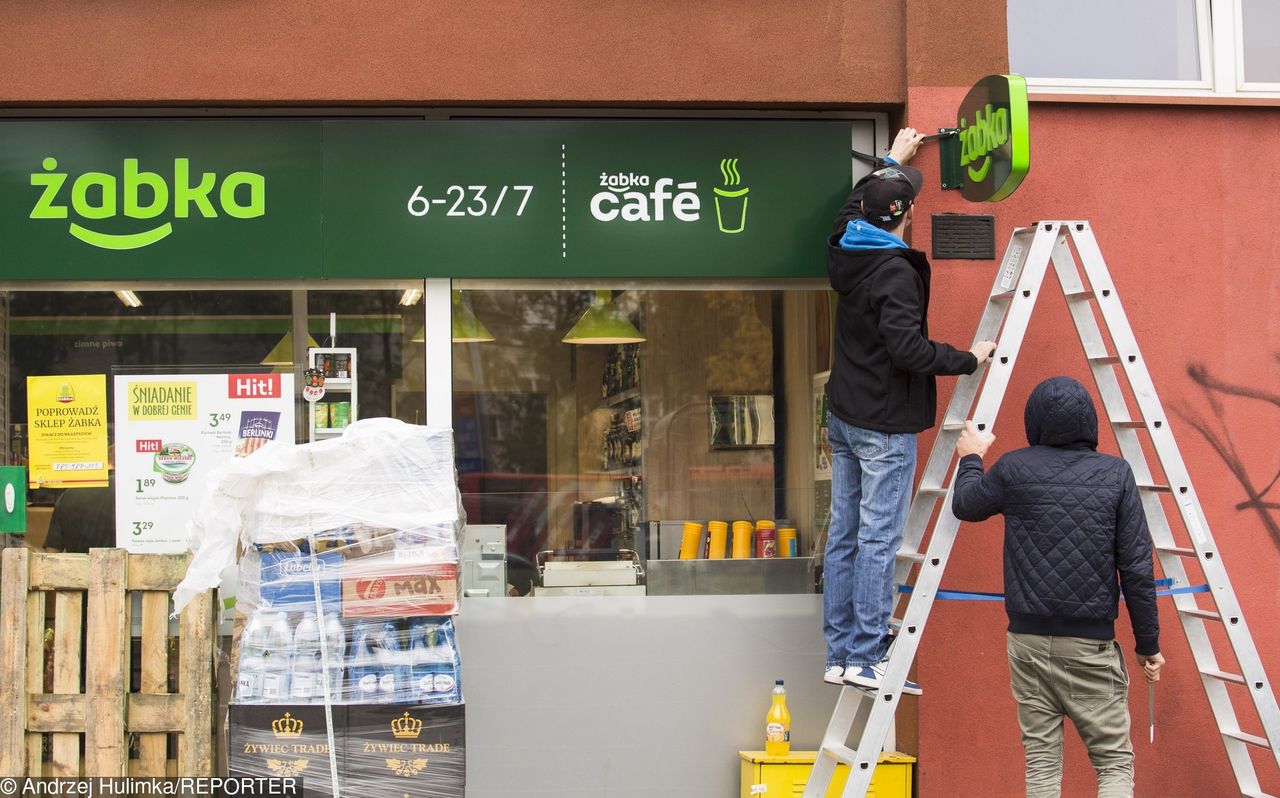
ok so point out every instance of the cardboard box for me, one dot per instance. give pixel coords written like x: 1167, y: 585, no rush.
x: 381, y: 588
x: 418, y: 751
x: 285, y: 740
x: 381, y: 749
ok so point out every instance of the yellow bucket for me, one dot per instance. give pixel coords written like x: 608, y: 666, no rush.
x: 719, y: 533
x: 691, y: 541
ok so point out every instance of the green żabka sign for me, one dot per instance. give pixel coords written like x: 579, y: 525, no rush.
x: 995, y: 150
x: 242, y: 199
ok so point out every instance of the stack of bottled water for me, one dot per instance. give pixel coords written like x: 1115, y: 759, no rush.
x: 388, y: 661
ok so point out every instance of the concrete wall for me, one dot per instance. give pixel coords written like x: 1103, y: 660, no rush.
x: 619, y: 697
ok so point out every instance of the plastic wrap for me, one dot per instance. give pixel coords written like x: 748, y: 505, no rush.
x: 381, y: 475
x: 345, y: 660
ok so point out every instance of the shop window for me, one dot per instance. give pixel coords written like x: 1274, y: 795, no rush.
x: 1147, y: 47
x: 144, y: 332
x: 592, y: 423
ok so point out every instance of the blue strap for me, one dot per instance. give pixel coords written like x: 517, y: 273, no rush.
x: 968, y: 595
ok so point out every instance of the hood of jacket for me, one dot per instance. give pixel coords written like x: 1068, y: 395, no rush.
x: 860, y: 235
x: 859, y: 252
x: 1060, y: 413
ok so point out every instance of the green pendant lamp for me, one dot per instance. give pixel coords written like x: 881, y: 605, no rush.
x: 465, y: 327
x: 603, y: 323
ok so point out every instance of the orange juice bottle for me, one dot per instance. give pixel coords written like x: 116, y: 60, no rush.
x: 777, y: 724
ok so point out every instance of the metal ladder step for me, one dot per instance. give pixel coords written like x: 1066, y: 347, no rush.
x: 1129, y: 424
x: 1196, y: 612
x: 1103, y: 360
x: 841, y: 753
x: 1245, y: 737
x: 1224, y: 676
x: 913, y: 556
x: 934, y: 492
x: 1152, y: 488
x: 1178, y: 551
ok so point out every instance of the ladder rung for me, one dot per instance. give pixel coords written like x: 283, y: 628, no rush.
x: 1079, y: 295
x: 1003, y: 296
x: 953, y: 426
x: 1223, y: 676
x: 939, y: 492
x: 1104, y: 360
x: 895, y: 623
x: 1154, y: 488
x: 1245, y: 737
x: 913, y: 556
x: 1178, y: 550
x: 1129, y: 424
x: 841, y: 753
x: 1196, y: 612
x: 1257, y: 795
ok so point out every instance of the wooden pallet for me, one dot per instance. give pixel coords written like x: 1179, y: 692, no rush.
x: 89, y: 595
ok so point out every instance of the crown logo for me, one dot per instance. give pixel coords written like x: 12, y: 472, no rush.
x: 406, y: 728
x: 288, y: 726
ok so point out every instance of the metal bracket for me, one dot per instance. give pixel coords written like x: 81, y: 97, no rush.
x: 948, y: 139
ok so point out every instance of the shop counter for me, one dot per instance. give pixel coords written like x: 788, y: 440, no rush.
x: 773, y: 575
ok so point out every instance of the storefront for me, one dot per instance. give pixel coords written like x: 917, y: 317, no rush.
x: 624, y: 321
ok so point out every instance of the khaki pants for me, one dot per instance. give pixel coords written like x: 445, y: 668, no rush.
x: 1085, y: 680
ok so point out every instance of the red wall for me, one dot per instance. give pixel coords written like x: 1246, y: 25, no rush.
x: 1182, y: 201
x: 512, y: 52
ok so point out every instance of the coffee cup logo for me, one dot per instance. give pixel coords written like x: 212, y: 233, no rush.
x: 731, y: 203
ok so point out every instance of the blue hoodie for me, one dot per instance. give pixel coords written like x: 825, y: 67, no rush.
x: 860, y: 235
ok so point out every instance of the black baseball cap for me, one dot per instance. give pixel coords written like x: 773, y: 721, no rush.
x: 890, y: 192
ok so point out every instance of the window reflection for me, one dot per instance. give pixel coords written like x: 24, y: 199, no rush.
x: 588, y: 451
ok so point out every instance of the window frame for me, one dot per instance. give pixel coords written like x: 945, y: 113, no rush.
x: 1220, y: 40
x: 1242, y: 84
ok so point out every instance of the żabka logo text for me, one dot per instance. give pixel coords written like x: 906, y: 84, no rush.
x: 630, y: 197
x: 144, y: 195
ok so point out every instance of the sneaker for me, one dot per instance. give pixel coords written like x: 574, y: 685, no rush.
x: 870, y: 677
x: 834, y: 675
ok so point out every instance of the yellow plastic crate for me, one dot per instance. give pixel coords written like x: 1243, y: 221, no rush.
x: 785, y: 776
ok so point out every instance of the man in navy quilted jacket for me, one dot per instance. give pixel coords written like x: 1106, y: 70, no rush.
x: 1073, y: 521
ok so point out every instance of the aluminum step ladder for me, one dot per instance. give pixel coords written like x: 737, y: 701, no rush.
x: 1008, y: 310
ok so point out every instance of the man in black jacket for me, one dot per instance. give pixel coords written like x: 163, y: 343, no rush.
x: 1073, y: 519
x: 881, y: 393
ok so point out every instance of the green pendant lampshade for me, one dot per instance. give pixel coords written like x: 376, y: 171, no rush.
x: 603, y: 323
x: 466, y: 328
x: 282, y: 353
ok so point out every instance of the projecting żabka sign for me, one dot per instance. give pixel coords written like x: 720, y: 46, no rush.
x: 995, y: 146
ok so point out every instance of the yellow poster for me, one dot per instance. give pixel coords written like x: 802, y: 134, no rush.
x: 67, y: 431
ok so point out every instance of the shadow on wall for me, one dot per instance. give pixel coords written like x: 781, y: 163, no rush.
x: 1219, y: 437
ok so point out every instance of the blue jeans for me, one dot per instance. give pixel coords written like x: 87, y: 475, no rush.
x: 871, y: 479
